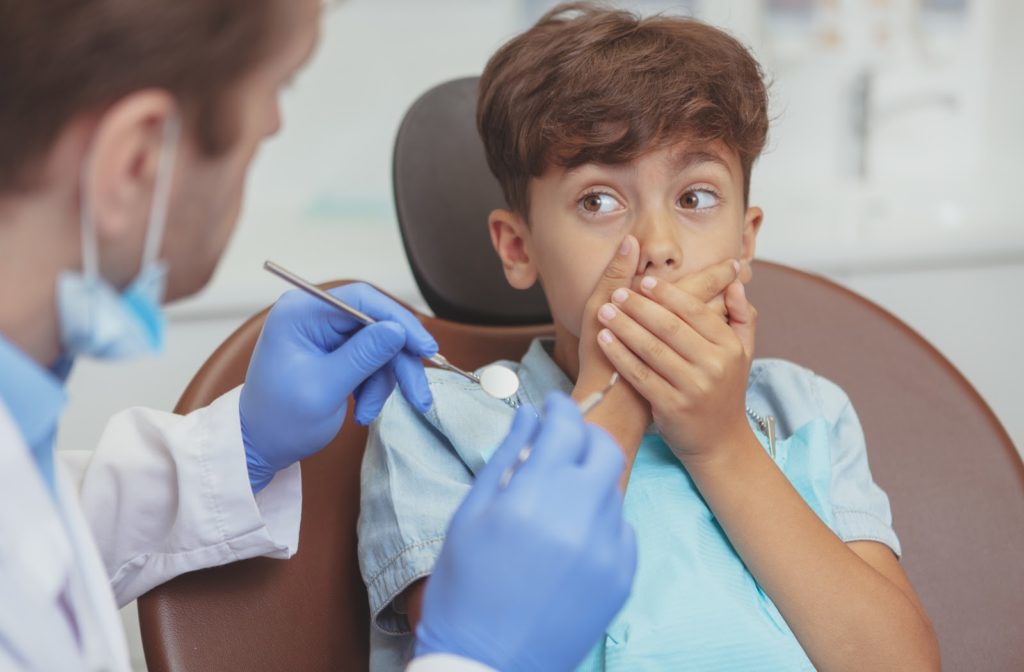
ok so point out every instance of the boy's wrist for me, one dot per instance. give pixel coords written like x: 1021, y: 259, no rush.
x: 622, y: 413
x: 730, y: 449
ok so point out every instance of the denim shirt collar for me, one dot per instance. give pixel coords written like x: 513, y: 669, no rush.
x: 538, y: 373
x: 35, y: 398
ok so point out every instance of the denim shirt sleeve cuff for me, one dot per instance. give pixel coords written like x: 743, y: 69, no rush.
x: 862, y: 526
x: 413, y: 562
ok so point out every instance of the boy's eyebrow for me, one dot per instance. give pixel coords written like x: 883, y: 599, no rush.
x: 690, y: 158
x: 680, y: 161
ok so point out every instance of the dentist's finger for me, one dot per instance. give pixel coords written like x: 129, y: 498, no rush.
x: 377, y: 305
x: 412, y: 379
x: 370, y: 349
x: 371, y: 395
x: 560, y: 440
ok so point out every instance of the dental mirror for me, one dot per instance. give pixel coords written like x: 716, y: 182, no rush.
x: 495, y: 380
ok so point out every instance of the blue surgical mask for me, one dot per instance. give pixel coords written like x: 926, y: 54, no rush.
x: 95, y: 319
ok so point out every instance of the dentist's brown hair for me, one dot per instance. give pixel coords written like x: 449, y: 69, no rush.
x: 60, y: 59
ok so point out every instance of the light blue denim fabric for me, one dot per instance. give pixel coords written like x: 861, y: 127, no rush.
x: 417, y: 468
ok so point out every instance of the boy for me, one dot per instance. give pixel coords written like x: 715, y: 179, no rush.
x: 763, y: 541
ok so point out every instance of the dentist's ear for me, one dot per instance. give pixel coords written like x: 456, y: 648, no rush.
x: 122, y: 163
x: 511, y: 240
x: 751, y: 226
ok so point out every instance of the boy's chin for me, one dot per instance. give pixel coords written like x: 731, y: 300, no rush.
x: 566, y: 334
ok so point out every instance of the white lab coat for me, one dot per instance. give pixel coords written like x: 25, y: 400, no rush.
x: 161, y: 495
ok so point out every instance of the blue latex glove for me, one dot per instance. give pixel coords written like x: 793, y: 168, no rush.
x: 310, y: 357
x: 530, y: 576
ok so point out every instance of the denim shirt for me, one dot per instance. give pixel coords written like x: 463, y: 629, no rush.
x: 417, y: 468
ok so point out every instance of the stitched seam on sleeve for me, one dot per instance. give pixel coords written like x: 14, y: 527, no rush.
x: 379, y: 614
x: 211, y: 492
x: 398, y: 556
x: 881, y: 527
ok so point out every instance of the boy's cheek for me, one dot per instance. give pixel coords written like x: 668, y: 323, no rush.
x: 568, y: 302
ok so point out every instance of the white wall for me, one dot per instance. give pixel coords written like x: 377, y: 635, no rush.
x: 945, y: 253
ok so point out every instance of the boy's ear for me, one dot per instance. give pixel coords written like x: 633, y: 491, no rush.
x: 511, y: 237
x: 751, y: 225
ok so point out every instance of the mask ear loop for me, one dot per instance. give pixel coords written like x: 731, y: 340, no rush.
x: 90, y: 247
x: 157, y: 210
x: 162, y: 190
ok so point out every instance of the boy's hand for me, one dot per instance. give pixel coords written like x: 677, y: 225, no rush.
x: 685, y: 360
x: 595, y: 369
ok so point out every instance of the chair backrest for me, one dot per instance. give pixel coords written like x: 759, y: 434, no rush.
x: 954, y: 479
x: 310, y: 612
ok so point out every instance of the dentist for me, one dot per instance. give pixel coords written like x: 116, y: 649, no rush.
x: 126, y: 132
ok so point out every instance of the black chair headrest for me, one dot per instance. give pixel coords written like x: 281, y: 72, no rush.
x: 444, y: 192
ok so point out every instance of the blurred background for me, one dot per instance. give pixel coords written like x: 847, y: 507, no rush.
x: 891, y: 168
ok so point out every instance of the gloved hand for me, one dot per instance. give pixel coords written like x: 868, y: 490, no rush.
x: 531, y: 575
x: 309, y: 358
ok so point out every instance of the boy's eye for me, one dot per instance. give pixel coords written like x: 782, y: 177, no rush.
x: 698, y: 199
x: 597, y: 203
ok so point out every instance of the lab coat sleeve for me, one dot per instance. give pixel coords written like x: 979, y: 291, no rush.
x: 443, y: 662
x: 166, y: 494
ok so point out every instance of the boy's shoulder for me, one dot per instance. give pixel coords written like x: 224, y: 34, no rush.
x: 794, y: 394
x: 471, y: 421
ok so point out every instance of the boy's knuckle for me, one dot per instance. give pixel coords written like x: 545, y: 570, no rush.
x: 654, y: 349
x: 617, y: 270
x: 736, y: 350
x: 689, y: 303
x: 681, y: 405
x: 669, y: 326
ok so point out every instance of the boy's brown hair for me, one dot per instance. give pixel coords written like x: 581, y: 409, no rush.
x: 591, y: 84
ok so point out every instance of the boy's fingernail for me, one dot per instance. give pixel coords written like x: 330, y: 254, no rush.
x: 607, y: 312
x: 648, y: 282
x: 626, y: 246
x: 620, y: 295
x: 605, y: 336
x: 736, y: 266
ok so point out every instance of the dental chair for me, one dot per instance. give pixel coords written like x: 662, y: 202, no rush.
x: 954, y: 479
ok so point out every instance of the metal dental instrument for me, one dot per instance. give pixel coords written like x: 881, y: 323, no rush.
x: 498, y: 390
x: 586, y: 405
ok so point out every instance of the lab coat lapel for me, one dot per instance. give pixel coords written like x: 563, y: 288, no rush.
x: 35, y: 559
x: 103, y: 634
x: 46, y: 548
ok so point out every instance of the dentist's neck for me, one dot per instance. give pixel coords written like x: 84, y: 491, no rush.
x: 39, y: 238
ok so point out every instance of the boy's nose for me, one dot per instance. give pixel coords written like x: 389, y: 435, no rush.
x: 660, y: 251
